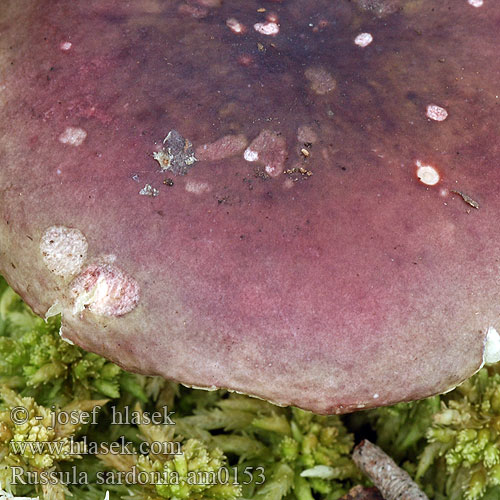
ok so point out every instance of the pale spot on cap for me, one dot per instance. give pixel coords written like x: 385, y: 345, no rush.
x: 437, y: 113
x: 197, y: 187
x: 269, y: 149
x: 73, y: 136
x: 104, y: 289
x: 64, y: 250
x: 269, y: 29
x: 427, y: 174
x: 476, y: 3
x: 226, y: 146
x: 363, y: 39
x: 321, y: 80
x: 66, y: 46
x: 305, y: 134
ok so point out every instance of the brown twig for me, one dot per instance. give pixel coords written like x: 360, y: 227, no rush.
x: 393, y: 482
x: 467, y: 199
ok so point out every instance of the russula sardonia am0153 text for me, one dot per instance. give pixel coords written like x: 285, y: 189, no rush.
x: 296, y: 200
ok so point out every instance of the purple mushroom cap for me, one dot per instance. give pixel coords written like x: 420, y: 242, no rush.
x: 298, y: 200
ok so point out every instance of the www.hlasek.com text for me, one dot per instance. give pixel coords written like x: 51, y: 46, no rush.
x: 68, y: 446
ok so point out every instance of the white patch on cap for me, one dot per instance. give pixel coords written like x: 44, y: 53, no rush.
x: 491, y: 353
x: 73, y: 136
x: 235, y: 26
x: 375, y: 396
x: 64, y: 250
x: 268, y: 28
x: 197, y: 187
x: 250, y: 155
x: 437, y: 113
x: 363, y: 39
x: 427, y: 174
x: 104, y: 289
x: 66, y: 46
x: 476, y: 3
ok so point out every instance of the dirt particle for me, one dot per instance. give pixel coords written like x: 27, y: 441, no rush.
x: 149, y: 190
x: 297, y: 173
x: 177, y: 154
x: 467, y: 199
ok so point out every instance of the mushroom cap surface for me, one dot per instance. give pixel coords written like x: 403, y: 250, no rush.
x: 295, y: 200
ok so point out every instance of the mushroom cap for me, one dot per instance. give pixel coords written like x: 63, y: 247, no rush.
x: 295, y: 200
